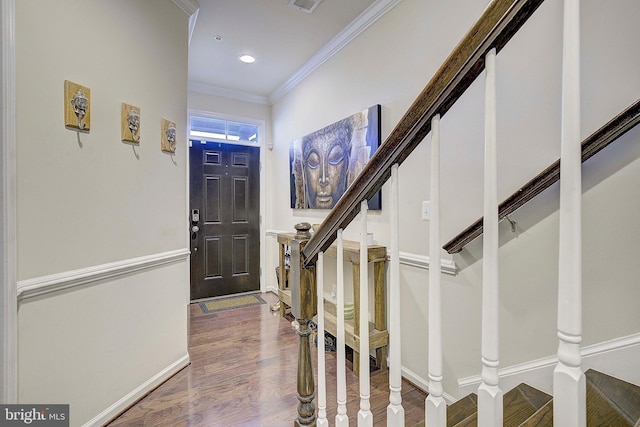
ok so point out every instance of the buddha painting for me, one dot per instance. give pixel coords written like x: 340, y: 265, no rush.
x: 324, y: 163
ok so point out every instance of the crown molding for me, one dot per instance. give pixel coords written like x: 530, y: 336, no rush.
x: 189, y: 7
x: 367, y: 18
x: 227, y: 93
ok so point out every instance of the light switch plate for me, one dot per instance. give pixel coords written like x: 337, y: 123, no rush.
x: 426, y: 210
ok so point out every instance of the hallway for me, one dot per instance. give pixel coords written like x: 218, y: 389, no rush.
x: 243, y: 373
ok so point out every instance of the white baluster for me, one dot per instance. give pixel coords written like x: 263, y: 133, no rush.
x: 489, y: 393
x: 342, y: 419
x: 365, y: 417
x: 435, y: 405
x: 322, y: 380
x: 395, y: 411
x: 569, y: 386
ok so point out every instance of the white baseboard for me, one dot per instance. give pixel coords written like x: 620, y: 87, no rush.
x: 271, y: 289
x: 142, y: 390
x: 618, y: 357
x: 423, y: 384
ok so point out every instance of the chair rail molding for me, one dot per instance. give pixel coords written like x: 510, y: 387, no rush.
x: 55, y: 282
x: 617, y: 357
x: 448, y: 266
x: 8, y: 248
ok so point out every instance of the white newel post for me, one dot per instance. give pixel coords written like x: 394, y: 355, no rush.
x: 342, y: 419
x: 489, y: 393
x: 322, y: 382
x: 365, y: 417
x: 569, y: 387
x: 435, y: 405
x: 395, y: 411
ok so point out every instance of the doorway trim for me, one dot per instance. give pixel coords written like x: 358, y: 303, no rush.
x: 8, y: 250
x: 262, y: 143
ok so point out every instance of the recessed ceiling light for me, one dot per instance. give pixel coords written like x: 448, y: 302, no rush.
x: 247, y: 59
x: 218, y: 38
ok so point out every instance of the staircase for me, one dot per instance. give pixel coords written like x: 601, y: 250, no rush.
x: 611, y: 402
x: 608, y: 401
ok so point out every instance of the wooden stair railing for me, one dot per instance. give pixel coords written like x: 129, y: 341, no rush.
x: 493, y: 30
x: 499, y: 22
x: 593, y: 144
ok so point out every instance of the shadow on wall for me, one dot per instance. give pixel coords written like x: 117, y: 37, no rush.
x: 596, y: 170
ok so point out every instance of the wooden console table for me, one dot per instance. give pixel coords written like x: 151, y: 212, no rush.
x: 378, y: 334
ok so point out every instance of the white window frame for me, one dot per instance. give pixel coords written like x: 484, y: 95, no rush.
x: 228, y: 118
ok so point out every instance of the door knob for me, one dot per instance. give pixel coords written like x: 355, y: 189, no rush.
x: 195, y: 228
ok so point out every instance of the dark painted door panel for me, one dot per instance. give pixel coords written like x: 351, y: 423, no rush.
x: 225, y: 194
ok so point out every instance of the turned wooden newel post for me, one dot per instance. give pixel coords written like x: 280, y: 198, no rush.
x: 303, y: 308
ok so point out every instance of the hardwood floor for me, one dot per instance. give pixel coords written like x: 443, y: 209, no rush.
x: 243, y: 373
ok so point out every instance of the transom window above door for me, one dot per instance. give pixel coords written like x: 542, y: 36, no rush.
x: 209, y: 128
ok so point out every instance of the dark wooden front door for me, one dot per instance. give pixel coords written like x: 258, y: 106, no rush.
x: 225, y: 219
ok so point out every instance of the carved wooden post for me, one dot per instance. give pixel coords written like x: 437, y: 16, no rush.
x: 303, y: 308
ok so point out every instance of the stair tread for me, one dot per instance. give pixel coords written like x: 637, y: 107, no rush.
x: 470, y: 421
x: 622, y: 394
x: 462, y: 409
x: 610, y: 402
x: 601, y: 411
x: 543, y: 417
x: 522, y: 402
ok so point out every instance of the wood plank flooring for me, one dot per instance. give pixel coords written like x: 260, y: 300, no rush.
x: 243, y: 373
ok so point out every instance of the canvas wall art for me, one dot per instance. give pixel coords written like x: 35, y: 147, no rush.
x: 324, y: 163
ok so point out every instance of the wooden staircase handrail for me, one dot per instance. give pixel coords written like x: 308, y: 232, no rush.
x: 498, y: 23
x: 598, y: 140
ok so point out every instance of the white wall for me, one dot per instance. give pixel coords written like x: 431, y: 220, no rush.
x: 389, y: 64
x: 88, y: 200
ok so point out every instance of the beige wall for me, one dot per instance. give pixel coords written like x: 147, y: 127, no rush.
x: 86, y: 201
x: 389, y: 64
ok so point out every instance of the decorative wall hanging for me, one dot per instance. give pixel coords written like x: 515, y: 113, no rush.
x: 324, y: 163
x: 168, y: 136
x: 130, y: 123
x: 77, y: 106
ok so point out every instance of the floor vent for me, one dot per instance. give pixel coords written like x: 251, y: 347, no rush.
x: 305, y: 5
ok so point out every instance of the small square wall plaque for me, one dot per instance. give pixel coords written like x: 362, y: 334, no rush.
x: 168, y: 136
x: 77, y: 106
x: 130, y: 123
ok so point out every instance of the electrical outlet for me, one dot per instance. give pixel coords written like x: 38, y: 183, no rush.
x: 426, y: 210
